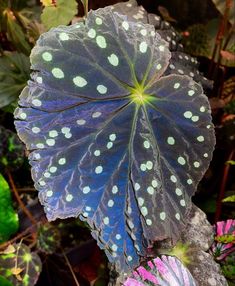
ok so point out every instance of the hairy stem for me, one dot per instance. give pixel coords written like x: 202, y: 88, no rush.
x: 19, y: 236
x: 21, y: 204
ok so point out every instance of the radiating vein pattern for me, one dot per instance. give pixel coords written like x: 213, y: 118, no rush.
x: 180, y: 63
x: 111, y: 139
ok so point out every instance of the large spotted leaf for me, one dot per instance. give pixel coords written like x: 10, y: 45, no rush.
x: 111, y: 140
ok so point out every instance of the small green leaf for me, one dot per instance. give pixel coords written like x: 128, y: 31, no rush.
x: 226, y: 238
x: 48, y: 238
x: 5, y: 282
x: 9, y: 221
x: 230, y: 199
x: 60, y: 14
x: 231, y: 162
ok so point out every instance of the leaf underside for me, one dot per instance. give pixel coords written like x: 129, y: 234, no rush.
x: 164, y: 271
x: 111, y: 140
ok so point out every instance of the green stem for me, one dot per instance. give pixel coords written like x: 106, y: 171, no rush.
x: 86, y: 7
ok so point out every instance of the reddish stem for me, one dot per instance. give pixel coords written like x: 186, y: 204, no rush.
x: 219, y: 38
x: 223, y: 187
x: 19, y: 236
x: 20, y: 202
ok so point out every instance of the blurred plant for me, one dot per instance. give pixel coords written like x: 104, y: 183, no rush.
x: 224, y: 243
x: 228, y: 95
x: 196, y: 40
x: 222, y: 189
x: 14, y: 73
x: 48, y: 238
x: 9, y: 221
x: 18, y: 30
x: 224, y: 36
x: 19, y: 265
x: 5, y: 282
x: 228, y: 269
x: 165, y: 14
x: 12, y: 151
x: 223, y: 248
x: 222, y: 5
x: 59, y: 12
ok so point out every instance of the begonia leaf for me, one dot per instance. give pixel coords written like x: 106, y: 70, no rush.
x: 112, y: 140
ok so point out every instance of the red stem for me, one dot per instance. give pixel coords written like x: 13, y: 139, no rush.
x: 223, y: 187
x: 21, y: 204
x: 219, y: 38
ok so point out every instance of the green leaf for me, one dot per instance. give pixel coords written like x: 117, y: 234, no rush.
x: 226, y: 238
x: 48, y: 238
x: 16, y: 34
x: 197, y: 43
x: 221, y: 6
x: 9, y: 221
x: 11, y: 150
x: 229, y: 199
x: 60, y: 14
x: 231, y: 162
x: 208, y: 205
x: 5, y: 282
x: 14, y: 73
x: 22, y: 267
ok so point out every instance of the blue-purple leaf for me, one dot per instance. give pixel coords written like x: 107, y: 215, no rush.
x: 180, y: 62
x: 111, y: 140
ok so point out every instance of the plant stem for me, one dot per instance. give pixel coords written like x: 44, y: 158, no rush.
x: 86, y: 9
x: 21, y: 204
x: 20, y: 235
x: 219, y: 39
x: 222, y: 187
x: 70, y: 268
x: 85, y: 6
